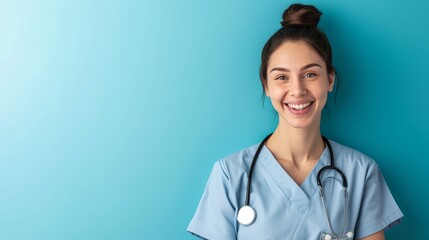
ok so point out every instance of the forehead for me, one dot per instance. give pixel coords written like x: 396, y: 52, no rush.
x: 294, y: 55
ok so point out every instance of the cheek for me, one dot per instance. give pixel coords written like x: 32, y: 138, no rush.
x: 322, y: 95
x: 320, y: 90
x: 277, y: 93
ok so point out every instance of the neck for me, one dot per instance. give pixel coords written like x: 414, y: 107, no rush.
x: 299, y: 145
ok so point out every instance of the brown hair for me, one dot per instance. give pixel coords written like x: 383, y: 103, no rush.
x: 299, y: 23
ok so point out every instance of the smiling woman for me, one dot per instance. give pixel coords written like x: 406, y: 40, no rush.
x: 291, y: 176
x: 298, y: 83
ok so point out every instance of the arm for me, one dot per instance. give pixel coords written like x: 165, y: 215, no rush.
x: 376, y: 236
x: 378, y: 210
x: 214, y: 217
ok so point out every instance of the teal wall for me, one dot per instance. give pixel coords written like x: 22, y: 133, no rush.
x: 112, y: 113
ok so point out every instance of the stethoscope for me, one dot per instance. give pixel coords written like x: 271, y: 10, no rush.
x: 247, y: 215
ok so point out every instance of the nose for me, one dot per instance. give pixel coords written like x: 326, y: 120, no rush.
x: 297, y: 87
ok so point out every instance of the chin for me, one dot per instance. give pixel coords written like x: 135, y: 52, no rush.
x: 301, y: 123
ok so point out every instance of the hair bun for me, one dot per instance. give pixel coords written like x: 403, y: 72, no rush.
x: 300, y: 15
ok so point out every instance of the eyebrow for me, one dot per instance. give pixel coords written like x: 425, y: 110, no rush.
x: 303, y: 68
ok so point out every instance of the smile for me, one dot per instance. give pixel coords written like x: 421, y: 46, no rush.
x: 299, y: 106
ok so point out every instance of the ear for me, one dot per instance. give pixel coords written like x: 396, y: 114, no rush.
x: 331, y: 79
x: 267, y: 92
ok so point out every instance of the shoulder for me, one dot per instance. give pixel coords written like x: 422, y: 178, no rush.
x: 355, y: 163
x: 345, y: 153
x: 237, y: 162
x: 370, y: 201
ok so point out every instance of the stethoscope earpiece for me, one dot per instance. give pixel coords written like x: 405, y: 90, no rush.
x: 327, y: 236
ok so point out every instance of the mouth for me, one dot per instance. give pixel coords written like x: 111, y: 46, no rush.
x: 299, y: 107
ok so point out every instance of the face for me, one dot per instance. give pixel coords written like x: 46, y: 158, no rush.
x: 298, y: 84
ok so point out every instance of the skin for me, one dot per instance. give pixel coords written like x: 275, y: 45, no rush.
x: 296, y: 74
x: 296, y: 77
x: 376, y: 236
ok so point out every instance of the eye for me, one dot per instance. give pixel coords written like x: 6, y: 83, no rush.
x: 310, y: 75
x: 281, y: 77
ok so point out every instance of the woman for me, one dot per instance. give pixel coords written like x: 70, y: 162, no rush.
x: 302, y: 186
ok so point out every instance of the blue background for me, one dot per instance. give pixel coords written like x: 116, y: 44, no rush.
x: 112, y: 113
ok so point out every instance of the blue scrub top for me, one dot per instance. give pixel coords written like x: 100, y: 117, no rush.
x: 285, y: 210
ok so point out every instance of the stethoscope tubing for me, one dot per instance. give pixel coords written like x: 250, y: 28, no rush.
x: 319, y: 174
x: 331, y: 166
x: 255, y: 158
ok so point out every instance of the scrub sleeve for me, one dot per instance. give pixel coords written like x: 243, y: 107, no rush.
x: 378, y: 210
x: 214, y: 218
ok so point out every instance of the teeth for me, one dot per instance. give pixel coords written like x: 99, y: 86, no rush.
x: 299, y: 106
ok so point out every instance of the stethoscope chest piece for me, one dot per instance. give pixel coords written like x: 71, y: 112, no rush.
x: 246, y: 215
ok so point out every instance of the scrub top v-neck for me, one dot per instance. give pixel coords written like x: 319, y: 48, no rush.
x: 286, y: 210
